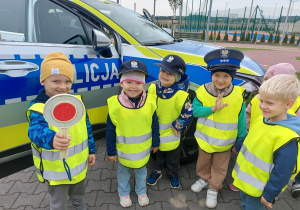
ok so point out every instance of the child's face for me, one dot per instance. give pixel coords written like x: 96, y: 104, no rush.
x: 57, y: 84
x: 274, y: 108
x: 132, y: 88
x: 166, y: 79
x: 221, y: 80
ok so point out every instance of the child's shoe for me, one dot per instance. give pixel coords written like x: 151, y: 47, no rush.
x: 211, y: 198
x: 174, y: 180
x: 199, y: 185
x: 125, y: 201
x: 154, y: 176
x: 233, y: 188
x: 143, y: 200
x: 295, y: 189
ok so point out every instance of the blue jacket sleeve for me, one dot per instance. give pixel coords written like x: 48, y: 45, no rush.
x: 39, y: 132
x: 185, y: 117
x: 111, y: 138
x: 155, y: 131
x: 199, y: 110
x: 242, y: 124
x: 284, y: 163
x: 91, y: 142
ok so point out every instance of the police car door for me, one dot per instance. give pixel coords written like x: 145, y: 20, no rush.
x: 30, y: 30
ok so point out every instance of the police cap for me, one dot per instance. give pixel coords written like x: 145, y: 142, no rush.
x: 133, y: 65
x: 173, y: 64
x: 223, y: 59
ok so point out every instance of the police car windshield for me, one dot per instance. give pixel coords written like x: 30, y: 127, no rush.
x: 144, y: 31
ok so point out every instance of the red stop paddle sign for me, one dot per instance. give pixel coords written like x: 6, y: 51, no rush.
x: 63, y: 111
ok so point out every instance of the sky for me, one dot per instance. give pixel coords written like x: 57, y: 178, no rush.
x: 271, y: 8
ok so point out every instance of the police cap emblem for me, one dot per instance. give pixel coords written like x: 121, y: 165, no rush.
x: 224, y: 53
x: 170, y: 59
x: 134, y: 64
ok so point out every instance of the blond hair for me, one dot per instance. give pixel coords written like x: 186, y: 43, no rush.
x: 283, y: 86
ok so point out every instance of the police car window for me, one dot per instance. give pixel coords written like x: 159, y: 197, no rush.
x: 12, y: 20
x: 55, y: 24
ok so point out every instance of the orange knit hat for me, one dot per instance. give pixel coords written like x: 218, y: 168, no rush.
x: 56, y: 63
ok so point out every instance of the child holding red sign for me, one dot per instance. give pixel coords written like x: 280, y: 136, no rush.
x: 132, y: 130
x: 57, y: 77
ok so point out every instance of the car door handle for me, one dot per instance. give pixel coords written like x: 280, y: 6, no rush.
x: 15, y: 68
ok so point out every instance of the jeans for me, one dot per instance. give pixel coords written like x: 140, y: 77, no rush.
x: 251, y: 203
x: 123, y: 177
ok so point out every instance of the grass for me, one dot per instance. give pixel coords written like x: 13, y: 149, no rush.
x: 298, y: 58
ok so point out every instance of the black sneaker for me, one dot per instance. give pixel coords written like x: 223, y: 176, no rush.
x: 154, y: 176
x: 295, y: 189
x: 174, y: 180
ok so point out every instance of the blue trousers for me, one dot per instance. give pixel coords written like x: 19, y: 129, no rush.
x: 123, y: 177
x: 251, y: 203
x: 297, y: 178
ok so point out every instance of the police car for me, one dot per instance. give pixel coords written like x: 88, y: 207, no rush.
x: 96, y: 35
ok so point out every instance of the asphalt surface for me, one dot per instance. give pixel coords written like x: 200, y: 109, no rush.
x: 23, y: 191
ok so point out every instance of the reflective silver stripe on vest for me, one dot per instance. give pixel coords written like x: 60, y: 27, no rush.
x: 134, y: 139
x: 134, y: 156
x: 214, y: 141
x: 267, y: 167
x: 55, y: 155
x: 165, y: 126
x: 166, y: 139
x: 248, y: 178
x: 217, y: 125
x: 55, y: 176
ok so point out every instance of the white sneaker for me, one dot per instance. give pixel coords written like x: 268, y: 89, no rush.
x: 125, y: 201
x: 211, y: 198
x: 143, y: 200
x: 199, y: 185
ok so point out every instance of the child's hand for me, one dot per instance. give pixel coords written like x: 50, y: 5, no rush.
x: 154, y: 149
x: 112, y: 158
x: 92, y: 159
x: 218, y: 105
x: 266, y: 203
x: 234, y: 150
x: 60, y: 143
x: 176, y: 132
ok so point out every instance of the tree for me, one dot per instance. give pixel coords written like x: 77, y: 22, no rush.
x: 203, y: 35
x: 211, y: 36
x: 219, y: 36
x: 226, y: 36
x: 270, y: 40
x: 277, y: 39
x: 298, y: 40
x: 248, y: 37
x: 242, y: 38
x: 292, y: 39
x: 262, y: 39
x: 254, y: 38
x: 234, y: 37
x: 285, y: 39
x: 174, y: 4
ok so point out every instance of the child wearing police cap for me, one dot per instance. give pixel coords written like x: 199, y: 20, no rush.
x: 132, y: 130
x: 57, y: 76
x: 220, y: 110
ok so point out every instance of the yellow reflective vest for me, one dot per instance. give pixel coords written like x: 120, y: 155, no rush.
x: 256, y: 112
x: 168, y: 110
x: 133, y: 130
x: 255, y: 160
x: 48, y: 163
x: 218, y: 131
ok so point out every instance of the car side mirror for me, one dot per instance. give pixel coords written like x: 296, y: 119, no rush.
x: 101, y: 43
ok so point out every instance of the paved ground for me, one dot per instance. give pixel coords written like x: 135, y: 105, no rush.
x: 267, y: 55
x: 22, y: 190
